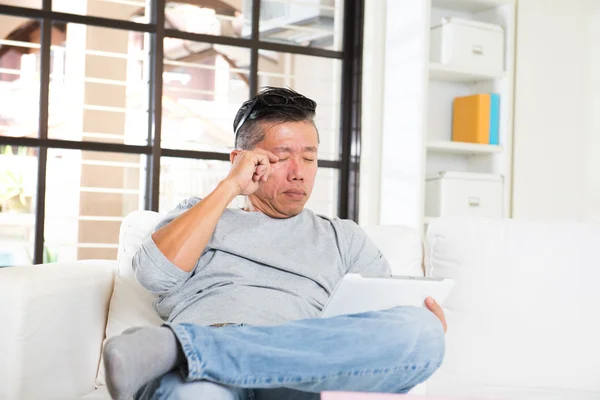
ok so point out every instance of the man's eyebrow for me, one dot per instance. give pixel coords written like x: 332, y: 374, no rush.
x: 285, y: 149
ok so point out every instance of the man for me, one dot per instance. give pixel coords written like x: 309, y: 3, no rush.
x: 242, y: 290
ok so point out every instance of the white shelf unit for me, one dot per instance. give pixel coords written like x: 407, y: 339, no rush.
x: 471, y: 6
x: 458, y: 148
x: 441, y: 72
x: 417, y: 106
x: 445, y: 82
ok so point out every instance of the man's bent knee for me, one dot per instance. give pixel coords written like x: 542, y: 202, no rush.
x: 417, y: 347
x: 420, y: 337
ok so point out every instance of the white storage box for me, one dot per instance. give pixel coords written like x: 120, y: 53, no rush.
x: 469, y: 44
x: 457, y: 194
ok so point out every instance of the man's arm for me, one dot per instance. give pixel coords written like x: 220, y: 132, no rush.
x: 151, y: 268
x: 160, y: 265
x: 183, y: 240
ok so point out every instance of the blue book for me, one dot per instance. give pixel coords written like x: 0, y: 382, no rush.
x: 495, y: 118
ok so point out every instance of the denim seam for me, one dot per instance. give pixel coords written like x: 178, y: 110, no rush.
x: 192, y: 357
x: 372, y: 372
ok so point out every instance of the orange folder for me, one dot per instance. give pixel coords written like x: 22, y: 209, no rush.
x: 471, y: 119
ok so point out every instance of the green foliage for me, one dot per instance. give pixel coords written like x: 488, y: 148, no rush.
x: 12, y: 179
x: 49, y: 256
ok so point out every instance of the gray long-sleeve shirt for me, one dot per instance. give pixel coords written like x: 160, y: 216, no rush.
x: 258, y: 270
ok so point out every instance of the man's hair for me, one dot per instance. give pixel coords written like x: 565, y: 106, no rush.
x: 273, y: 105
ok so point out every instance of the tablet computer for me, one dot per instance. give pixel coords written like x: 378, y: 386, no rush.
x: 356, y: 293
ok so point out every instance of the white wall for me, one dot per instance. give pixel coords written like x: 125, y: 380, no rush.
x: 557, y: 110
x: 372, y: 113
x: 396, y: 59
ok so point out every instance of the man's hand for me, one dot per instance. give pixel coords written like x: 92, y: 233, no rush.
x: 435, y: 308
x: 249, y: 168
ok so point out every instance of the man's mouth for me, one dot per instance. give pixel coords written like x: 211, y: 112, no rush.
x: 295, y: 193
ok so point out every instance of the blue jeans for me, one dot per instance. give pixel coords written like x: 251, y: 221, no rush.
x: 387, y: 351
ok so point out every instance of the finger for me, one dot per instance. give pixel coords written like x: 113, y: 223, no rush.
x: 260, y: 171
x: 263, y: 159
x: 437, y: 310
x: 270, y: 157
x: 263, y: 169
x: 270, y: 170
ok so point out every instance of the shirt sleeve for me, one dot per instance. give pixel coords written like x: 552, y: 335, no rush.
x: 362, y: 256
x: 151, y: 268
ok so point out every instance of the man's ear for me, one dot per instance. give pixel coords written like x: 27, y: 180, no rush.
x: 233, y: 155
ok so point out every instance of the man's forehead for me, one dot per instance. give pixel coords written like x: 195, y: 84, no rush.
x: 291, y: 137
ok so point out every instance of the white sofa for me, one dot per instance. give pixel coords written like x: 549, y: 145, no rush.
x: 523, y: 316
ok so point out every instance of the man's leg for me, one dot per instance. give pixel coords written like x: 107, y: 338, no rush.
x: 384, y: 351
x: 172, y: 386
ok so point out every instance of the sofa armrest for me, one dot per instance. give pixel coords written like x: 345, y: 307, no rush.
x: 53, y: 322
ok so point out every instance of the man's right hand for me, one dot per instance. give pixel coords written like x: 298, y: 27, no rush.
x: 437, y: 310
x: 250, y: 167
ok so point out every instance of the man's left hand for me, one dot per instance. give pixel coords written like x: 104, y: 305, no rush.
x: 435, y: 308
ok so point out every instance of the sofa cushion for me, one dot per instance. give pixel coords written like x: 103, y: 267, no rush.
x: 130, y: 304
x: 52, y: 318
x: 524, y: 310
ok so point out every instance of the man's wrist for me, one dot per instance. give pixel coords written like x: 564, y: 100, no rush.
x: 229, y: 188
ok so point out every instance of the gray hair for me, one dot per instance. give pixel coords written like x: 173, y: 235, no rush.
x: 272, y: 105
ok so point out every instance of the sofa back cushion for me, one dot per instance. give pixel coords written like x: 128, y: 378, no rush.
x: 523, y: 314
x: 402, y: 247
x: 130, y: 304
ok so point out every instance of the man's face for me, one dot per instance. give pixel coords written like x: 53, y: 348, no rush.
x: 292, y: 178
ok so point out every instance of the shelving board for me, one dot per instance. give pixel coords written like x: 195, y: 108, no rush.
x: 470, y: 5
x: 441, y: 72
x: 440, y: 146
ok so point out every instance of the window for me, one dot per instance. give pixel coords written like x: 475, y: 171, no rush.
x: 109, y: 106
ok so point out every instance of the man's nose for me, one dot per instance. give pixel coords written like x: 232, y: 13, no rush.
x: 296, y: 170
